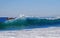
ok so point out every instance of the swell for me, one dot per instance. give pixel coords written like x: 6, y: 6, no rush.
x: 24, y: 22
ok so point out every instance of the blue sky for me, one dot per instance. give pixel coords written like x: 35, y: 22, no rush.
x: 42, y: 8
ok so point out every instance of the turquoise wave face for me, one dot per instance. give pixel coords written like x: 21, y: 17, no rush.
x: 24, y: 22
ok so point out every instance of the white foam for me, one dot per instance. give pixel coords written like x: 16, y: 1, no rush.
x: 12, y: 37
x: 32, y: 33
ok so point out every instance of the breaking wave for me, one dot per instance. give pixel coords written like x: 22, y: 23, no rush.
x: 29, y: 21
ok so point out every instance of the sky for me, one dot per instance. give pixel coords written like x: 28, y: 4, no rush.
x: 42, y: 8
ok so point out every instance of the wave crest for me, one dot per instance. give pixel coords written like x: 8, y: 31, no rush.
x: 28, y: 21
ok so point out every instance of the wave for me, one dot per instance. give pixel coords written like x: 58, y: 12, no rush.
x: 28, y: 21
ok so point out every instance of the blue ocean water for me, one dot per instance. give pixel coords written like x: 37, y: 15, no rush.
x: 28, y: 23
x: 2, y: 19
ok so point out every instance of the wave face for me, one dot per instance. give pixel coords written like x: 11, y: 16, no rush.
x: 28, y: 21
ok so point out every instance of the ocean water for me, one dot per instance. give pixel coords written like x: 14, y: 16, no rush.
x: 29, y: 23
x: 30, y: 27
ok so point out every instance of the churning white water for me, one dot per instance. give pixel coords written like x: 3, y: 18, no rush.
x: 52, y: 32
